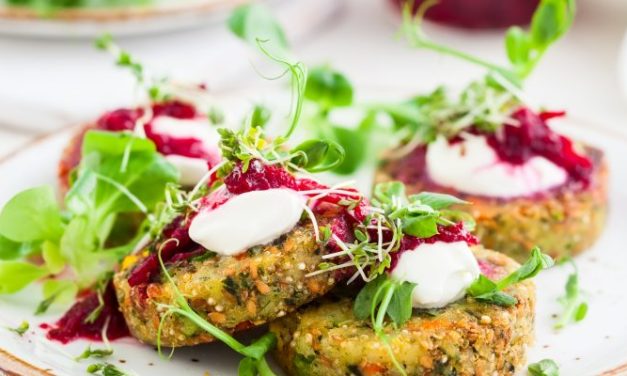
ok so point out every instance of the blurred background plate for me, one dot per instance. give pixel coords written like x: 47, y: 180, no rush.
x: 87, y: 22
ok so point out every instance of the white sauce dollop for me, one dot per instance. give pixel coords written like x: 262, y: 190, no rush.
x: 190, y: 169
x: 246, y: 220
x: 442, y: 272
x: 472, y: 166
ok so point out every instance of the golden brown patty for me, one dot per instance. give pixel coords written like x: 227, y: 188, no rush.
x: 561, y: 223
x: 464, y: 338
x: 233, y: 293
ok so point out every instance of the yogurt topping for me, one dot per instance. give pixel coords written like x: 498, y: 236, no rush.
x: 442, y: 272
x: 246, y: 220
x: 472, y: 166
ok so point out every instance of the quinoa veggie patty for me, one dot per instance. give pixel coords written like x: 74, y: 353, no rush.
x: 232, y: 292
x: 464, y: 338
x: 562, y: 222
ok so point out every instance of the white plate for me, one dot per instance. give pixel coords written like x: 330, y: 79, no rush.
x: 162, y: 17
x: 596, y: 346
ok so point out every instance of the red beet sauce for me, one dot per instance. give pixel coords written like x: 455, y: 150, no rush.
x: 73, y: 324
x: 479, y: 14
x: 447, y: 234
x: 257, y: 177
x: 517, y: 143
x: 514, y: 144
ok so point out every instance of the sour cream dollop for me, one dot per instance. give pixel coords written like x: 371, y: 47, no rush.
x: 472, y: 166
x: 441, y: 271
x: 190, y: 169
x: 246, y: 220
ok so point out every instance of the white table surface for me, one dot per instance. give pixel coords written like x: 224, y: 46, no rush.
x: 47, y: 84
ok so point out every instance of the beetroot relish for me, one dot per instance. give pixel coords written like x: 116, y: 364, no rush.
x: 124, y: 120
x: 73, y: 326
x: 516, y: 144
x: 447, y: 234
x: 257, y: 177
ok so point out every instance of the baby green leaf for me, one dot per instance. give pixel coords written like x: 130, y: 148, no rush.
x: 365, y: 299
x: 94, y: 353
x: 550, y: 20
x: 400, y: 308
x: 21, y: 329
x: 491, y: 292
x: 437, y: 200
x: 10, y: 250
x: 15, y: 275
x: 55, y: 262
x: 32, y: 215
x: 328, y: 88
x: 105, y: 369
x: 545, y: 367
x: 260, y: 116
x: 247, y: 367
x: 318, y: 155
x: 253, y: 22
x: 517, y: 45
x: 420, y: 226
x: 575, y: 309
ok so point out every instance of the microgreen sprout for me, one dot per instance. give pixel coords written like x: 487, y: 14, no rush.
x: 575, y: 308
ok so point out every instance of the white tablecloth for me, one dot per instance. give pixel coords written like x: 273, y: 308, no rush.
x: 45, y: 84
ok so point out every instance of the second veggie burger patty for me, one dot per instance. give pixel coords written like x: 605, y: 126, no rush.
x: 464, y: 338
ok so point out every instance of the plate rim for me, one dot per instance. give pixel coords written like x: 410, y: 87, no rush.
x: 132, y: 13
x: 16, y: 364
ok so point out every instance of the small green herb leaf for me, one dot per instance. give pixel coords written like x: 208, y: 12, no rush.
x: 437, y: 200
x: 400, y: 308
x: 105, y: 369
x: 21, y: 329
x: 94, y: 353
x: 328, y: 88
x: 365, y: 299
x: 254, y: 22
x: 517, y: 45
x: 545, y: 367
x: 491, y: 292
x: 575, y: 309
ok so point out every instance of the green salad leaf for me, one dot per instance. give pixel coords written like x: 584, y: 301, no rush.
x: 120, y: 177
x: 32, y: 215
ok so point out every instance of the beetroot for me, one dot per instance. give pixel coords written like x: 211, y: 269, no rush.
x: 73, y: 324
x: 517, y: 143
